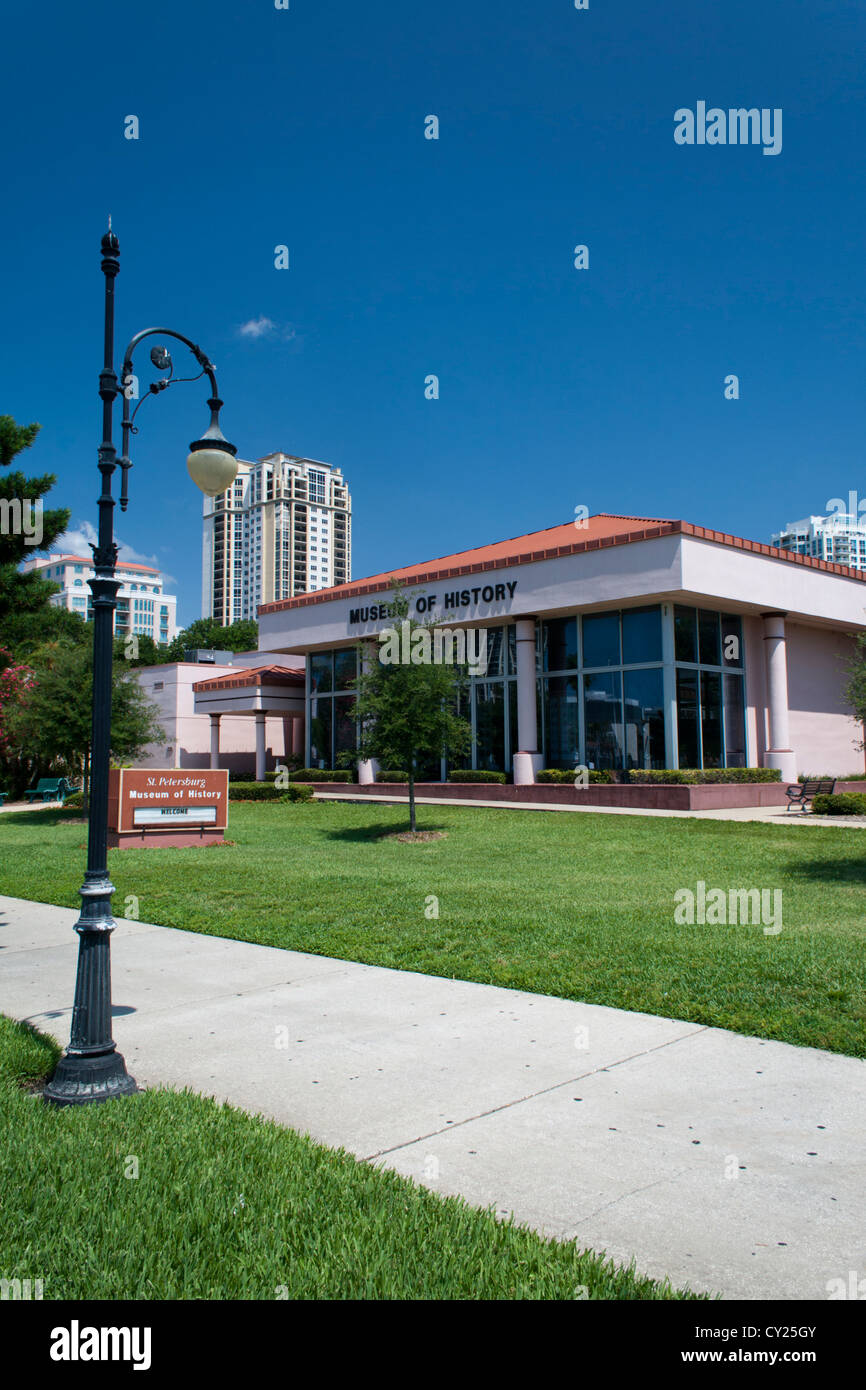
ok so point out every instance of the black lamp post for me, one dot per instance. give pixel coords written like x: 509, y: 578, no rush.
x: 91, y: 1069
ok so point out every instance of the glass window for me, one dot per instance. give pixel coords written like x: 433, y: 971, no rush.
x: 603, y: 719
x: 732, y: 642
x: 512, y: 649
x: 685, y: 639
x: 495, y: 652
x: 644, y: 718
x: 641, y: 635
x: 735, y: 723
x: 559, y: 644
x: 345, y: 668
x: 711, y: 718
x: 561, y: 743
x: 708, y: 638
x: 490, y: 725
x: 601, y: 640
x: 321, y: 712
x: 345, y: 733
x: 321, y: 672
x: 688, y: 729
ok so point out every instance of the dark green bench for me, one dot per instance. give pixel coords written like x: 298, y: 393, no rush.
x: 50, y: 789
x: 801, y: 792
x: 3, y: 796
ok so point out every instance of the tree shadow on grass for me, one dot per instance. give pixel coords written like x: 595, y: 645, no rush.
x: 851, y: 869
x: 367, y: 834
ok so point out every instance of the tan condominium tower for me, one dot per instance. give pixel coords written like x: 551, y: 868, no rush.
x: 284, y: 527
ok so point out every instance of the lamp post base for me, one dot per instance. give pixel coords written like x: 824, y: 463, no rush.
x: 83, y: 1080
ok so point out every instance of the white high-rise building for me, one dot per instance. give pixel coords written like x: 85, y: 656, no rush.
x: 283, y: 528
x: 839, y: 538
x: 143, y: 609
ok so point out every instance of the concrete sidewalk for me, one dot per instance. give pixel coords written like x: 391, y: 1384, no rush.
x: 768, y: 815
x: 726, y: 1163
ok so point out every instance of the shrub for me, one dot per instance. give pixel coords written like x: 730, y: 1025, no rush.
x: 253, y: 791
x: 840, y: 804
x: 75, y: 802
x: 704, y: 776
x: 392, y: 777
x: 479, y: 776
x: 832, y: 777
x: 322, y: 774
x: 298, y: 793
x: 567, y: 775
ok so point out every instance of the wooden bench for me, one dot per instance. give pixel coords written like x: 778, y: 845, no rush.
x: 802, y: 792
x: 50, y: 789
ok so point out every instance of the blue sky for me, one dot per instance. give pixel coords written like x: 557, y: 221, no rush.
x: 558, y: 387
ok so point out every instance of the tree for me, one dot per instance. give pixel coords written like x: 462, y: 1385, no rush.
x: 138, y: 649
x: 25, y: 528
x: 855, y: 690
x: 208, y: 634
x: 48, y: 726
x: 406, y: 708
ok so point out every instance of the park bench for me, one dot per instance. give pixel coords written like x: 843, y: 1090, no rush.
x: 3, y: 796
x: 802, y: 792
x: 50, y: 789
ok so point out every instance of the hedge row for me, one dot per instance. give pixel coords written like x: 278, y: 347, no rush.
x: 840, y: 804
x: 322, y: 774
x: 266, y: 791
x: 568, y: 774
x: 479, y: 776
x: 712, y: 775
x: 392, y: 777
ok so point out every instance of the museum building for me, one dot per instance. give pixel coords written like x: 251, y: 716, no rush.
x: 619, y: 642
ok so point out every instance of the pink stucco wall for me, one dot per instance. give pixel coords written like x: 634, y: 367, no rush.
x: 824, y: 734
x: 187, y: 740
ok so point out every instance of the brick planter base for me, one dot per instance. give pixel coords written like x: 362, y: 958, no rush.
x: 666, y: 797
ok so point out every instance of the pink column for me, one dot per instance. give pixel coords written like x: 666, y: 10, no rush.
x: 214, y: 740
x: 528, y: 760
x: 779, y: 753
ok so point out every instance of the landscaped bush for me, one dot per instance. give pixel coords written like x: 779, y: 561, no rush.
x: 254, y: 791
x: 840, y: 804
x: 392, y: 777
x: 75, y: 802
x: 298, y: 793
x: 703, y: 776
x: 832, y: 777
x: 480, y: 776
x: 322, y: 774
x: 568, y: 774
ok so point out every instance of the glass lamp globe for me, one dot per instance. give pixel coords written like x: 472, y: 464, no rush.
x: 212, y: 468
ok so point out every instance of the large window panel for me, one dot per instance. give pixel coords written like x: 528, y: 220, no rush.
x: 603, y: 720
x: 685, y: 634
x: 709, y: 650
x: 345, y: 731
x: 490, y: 725
x: 321, y: 673
x: 345, y: 668
x: 561, y: 726
x: 711, y: 718
x: 688, y: 726
x: 560, y: 644
x: 641, y: 635
x: 601, y: 640
x: 735, y: 722
x: 644, y: 718
x: 321, y: 712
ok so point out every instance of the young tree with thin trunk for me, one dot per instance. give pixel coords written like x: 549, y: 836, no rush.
x: 406, y: 708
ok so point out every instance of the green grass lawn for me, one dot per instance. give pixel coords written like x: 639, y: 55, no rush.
x: 580, y: 906
x: 228, y: 1206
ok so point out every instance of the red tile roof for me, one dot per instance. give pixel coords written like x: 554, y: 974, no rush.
x: 253, y: 675
x: 598, y: 532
